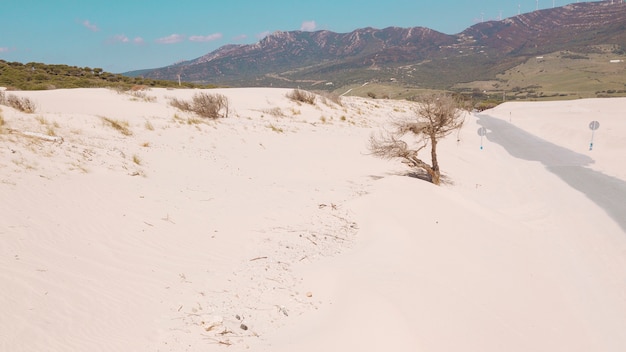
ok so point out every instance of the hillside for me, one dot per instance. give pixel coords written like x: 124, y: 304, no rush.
x: 40, y: 76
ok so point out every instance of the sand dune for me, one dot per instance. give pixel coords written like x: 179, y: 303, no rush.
x: 274, y: 230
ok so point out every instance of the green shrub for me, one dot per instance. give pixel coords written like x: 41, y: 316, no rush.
x: 39, y: 76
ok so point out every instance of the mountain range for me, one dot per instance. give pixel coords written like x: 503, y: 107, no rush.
x: 416, y: 57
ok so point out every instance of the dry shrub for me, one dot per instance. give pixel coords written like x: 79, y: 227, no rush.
x: 206, y: 105
x: 2, y: 122
x: 142, y: 95
x: 22, y: 104
x: 181, y: 104
x: 302, y: 96
x: 210, y: 105
x: 329, y: 96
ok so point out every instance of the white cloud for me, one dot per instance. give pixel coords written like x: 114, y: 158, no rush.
x: 120, y: 38
x: 205, y: 38
x: 4, y: 50
x: 240, y: 38
x: 171, y: 39
x: 92, y: 27
x: 308, y: 26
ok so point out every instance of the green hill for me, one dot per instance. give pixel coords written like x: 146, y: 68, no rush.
x: 39, y: 76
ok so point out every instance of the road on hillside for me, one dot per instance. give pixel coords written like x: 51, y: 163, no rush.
x: 607, y: 192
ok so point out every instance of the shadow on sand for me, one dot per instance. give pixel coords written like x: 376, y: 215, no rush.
x: 606, y: 191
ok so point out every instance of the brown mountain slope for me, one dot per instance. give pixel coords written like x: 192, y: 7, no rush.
x: 418, y: 57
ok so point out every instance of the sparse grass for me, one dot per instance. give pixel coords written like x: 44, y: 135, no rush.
x: 295, y: 112
x: 302, y: 96
x: 121, y: 126
x: 194, y: 121
x: 275, y: 128
x: 78, y: 166
x: 50, y: 126
x: 343, y: 118
x: 145, y: 144
x: 24, y: 163
x: 41, y: 120
x: 50, y: 131
x: 136, y: 159
x: 177, y: 118
x: 323, y: 119
x: 212, y: 106
x: 276, y: 112
x: 149, y: 126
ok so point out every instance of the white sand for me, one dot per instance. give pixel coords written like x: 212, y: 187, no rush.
x: 277, y: 220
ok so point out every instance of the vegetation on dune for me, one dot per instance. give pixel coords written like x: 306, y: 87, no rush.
x: 436, y: 116
x: 2, y: 122
x: 301, y: 96
x: 39, y: 76
x: 122, y: 126
x: 23, y: 104
x: 211, y: 106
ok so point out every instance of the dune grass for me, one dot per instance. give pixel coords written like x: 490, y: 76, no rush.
x: 121, y: 126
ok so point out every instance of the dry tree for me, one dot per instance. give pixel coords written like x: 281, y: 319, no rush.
x: 436, y: 116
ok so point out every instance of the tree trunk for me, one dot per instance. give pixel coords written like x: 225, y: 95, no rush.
x: 435, y: 174
x: 436, y: 178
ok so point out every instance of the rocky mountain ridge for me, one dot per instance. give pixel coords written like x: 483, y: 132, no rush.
x: 414, y: 56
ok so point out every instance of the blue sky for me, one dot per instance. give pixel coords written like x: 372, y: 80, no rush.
x: 119, y: 36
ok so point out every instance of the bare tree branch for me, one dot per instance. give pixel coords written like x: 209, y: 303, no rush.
x: 436, y: 116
